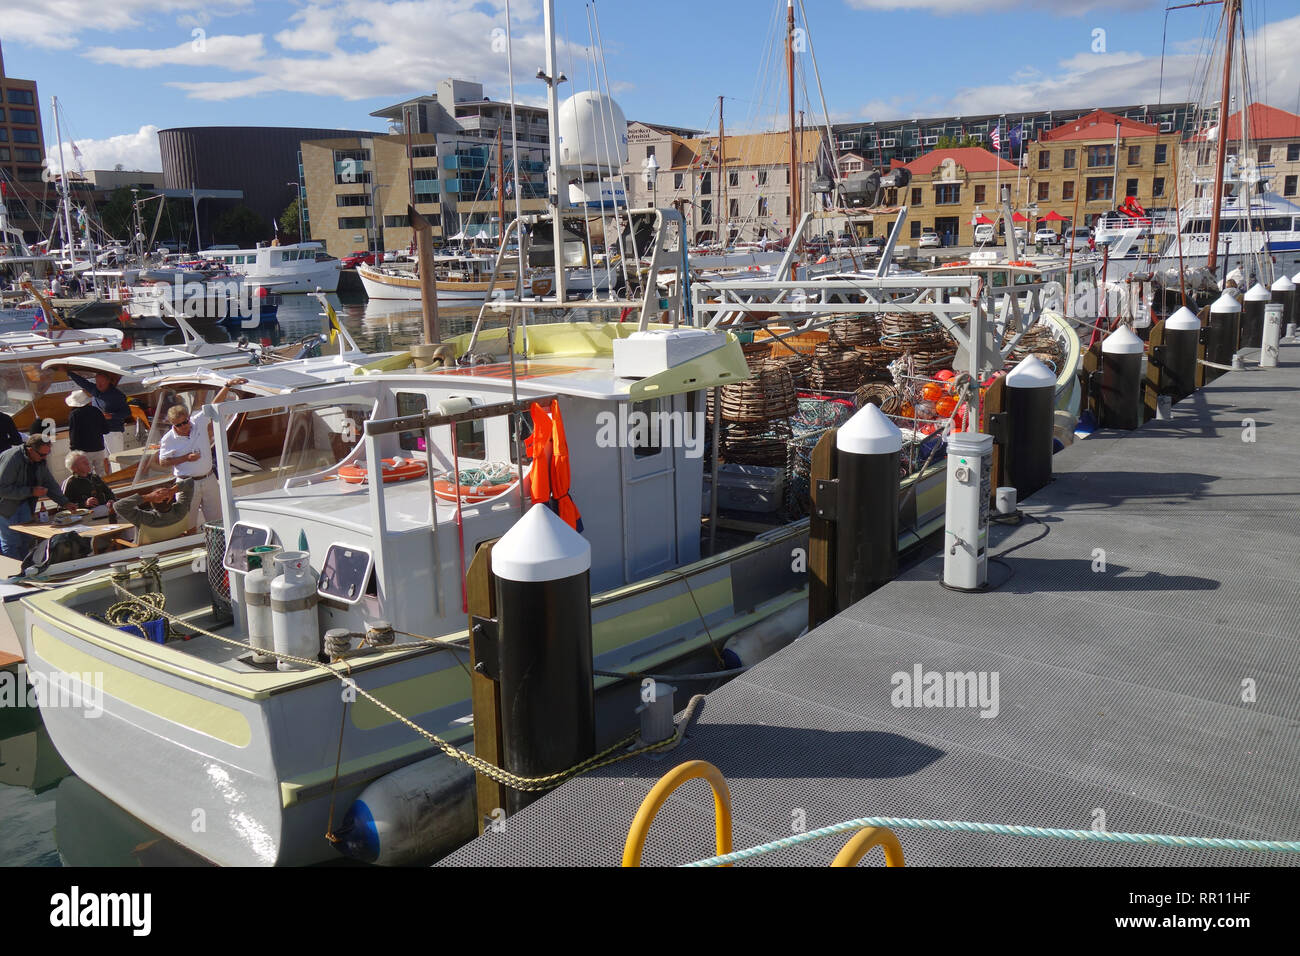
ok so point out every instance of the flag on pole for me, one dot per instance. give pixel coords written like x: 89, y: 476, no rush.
x: 1017, y: 136
x: 40, y: 317
x: 996, y: 138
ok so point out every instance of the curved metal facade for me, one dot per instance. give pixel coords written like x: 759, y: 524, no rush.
x: 259, y: 160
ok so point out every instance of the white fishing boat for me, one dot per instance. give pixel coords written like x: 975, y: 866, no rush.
x: 297, y: 267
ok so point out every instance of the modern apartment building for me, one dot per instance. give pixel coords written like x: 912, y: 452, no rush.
x: 22, y: 147
x: 887, y: 142
x: 358, y: 188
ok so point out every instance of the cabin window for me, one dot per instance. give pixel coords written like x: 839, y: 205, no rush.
x: 318, y: 436
x: 998, y: 279
x: 344, y: 573
x: 643, y: 422
x: 411, y: 403
x: 470, y: 442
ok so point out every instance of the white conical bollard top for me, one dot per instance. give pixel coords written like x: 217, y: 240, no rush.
x: 1184, y: 320
x: 1031, y: 373
x: 1258, y: 293
x: 869, y: 432
x: 540, y: 547
x: 1225, y: 304
x: 1283, y: 284
x: 1123, y: 341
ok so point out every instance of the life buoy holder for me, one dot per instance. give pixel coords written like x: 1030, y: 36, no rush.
x: 470, y: 494
x: 393, y: 469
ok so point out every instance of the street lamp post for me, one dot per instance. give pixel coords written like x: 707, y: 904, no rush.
x: 302, y: 229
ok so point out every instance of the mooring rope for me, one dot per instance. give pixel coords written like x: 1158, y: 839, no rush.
x: 1006, y: 829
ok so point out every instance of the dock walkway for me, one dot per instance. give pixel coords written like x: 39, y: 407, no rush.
x: 1162, y: 692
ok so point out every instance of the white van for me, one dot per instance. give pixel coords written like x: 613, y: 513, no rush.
x: 983, y: 233
x: 1076, y: 238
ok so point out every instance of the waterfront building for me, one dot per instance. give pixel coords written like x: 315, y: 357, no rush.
x: 22, y: 148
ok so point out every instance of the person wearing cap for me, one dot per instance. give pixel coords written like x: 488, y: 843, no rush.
x: 86, y: 430
x: 24, y: 479
x: 185, y: 448
x: 108, y: 398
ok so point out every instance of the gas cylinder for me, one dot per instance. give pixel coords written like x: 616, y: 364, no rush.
x: 295, y: 627
x: 257, y: 598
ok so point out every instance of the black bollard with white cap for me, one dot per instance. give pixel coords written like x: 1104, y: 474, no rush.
x: 1121, y: 379
x: 1178, y: 354
x: 1221, y: 333
x: 1030, y: 417
x: 867, y: 451
x: 1283, y: 292
x: 543, y: 648
x: 1251, y: 330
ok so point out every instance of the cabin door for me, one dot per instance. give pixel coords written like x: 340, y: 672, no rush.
x: 649, y: 505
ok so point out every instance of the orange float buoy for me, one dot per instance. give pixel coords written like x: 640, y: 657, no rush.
x: 472, y: 494
x: 944, y: 406
x: 932, y: 391
x: 393, y: 469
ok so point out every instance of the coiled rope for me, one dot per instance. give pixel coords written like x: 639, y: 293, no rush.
x: 1006, y: 829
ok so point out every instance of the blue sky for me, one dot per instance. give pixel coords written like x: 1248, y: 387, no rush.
x: 123, y: 68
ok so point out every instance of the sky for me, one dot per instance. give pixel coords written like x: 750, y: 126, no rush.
x: 123, y: 69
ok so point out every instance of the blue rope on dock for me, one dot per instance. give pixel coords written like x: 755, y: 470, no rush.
x: 1085, y: 836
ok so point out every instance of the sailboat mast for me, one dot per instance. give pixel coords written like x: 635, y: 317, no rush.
x: 722, y: 183
x: 794, y: 154
x: 501, y: 194
x: 559, y: 188
x: 1230, y: 8
x: 63, y: 183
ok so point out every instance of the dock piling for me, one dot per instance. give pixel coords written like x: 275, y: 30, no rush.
x: 1121, y: 380
x: 1027, y: 450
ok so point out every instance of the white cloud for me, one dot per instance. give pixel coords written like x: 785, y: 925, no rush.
x: 138, y: 150
x: 57, y: 24
x: 239, y: 53
x: 1073, y: 8
x: 1112, y: 79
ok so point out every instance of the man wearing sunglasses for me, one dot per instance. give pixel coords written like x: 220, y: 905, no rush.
x: 25, y: 478
x: 187, y: 451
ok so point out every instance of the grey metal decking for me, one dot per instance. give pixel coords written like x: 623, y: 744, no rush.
x: 1121, y: 692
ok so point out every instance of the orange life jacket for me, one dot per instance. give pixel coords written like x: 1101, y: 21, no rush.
x: 548, y: 481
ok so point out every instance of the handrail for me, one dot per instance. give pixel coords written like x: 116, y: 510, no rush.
x: 659, y: 794
x: 864, y: 841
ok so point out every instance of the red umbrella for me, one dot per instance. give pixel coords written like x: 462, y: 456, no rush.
x: 981, y: 221
x: 1017, y: 217
x: 1055, y: 216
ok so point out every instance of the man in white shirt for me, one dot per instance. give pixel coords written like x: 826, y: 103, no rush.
x: 187, y: 450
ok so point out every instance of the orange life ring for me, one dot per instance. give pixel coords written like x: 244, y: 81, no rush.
x: 444, y: 489
x: 1030, y: 265
x: 955, y: 263
x: 394, y: 469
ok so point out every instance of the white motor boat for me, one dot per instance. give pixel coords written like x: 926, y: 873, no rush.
x: 299, y: 267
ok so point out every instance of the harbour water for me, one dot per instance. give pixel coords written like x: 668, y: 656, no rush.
x: 47, y: 816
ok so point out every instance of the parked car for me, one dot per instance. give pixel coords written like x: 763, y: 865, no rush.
x: 984, y: 233
x: 875, y: 245
x: 930, y: 240
x: 1077, y: 238
x: 354, y: 259
x: 1047, y: 236
x: 1021, y: 234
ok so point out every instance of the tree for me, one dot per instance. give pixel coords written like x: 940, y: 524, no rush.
x: 117, y: 214
x: 240, y: 226
x: 956, y: 142
x: 289, y: 223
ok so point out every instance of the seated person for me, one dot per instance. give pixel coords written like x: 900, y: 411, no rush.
x: 161, y: 514
x: 84, y: 488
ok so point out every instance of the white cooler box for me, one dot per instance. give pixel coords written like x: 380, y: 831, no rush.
x: 746, y: 488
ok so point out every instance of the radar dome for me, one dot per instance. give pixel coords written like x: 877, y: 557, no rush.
x: 593, y: 132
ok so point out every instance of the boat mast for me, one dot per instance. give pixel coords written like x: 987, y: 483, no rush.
x: 63, y: 188
x: 794, y: 153
x: 722, y: 183
x: 501, y: 194
x: 1230, y: 8
x: 559, y: 186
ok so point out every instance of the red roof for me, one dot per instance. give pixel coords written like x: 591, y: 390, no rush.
x: 971, y: 158
x: 1264, y: 122
x: 1098, y: 125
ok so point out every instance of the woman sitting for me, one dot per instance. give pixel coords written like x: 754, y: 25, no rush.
x: 84, y: 488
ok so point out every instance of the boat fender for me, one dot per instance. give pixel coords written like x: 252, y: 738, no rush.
x: 763, y: 639
x: 412, y: 815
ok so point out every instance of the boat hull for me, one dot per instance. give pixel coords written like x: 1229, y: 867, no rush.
x: 384, y: 285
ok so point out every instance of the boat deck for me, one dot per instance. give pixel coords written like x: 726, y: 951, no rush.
x: 1120, y: 692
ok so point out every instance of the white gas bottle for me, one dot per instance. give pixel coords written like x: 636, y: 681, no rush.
x: 257, y: 599
x: 294, y: 624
